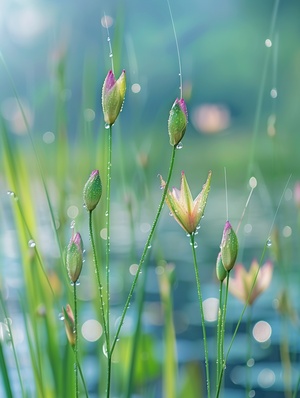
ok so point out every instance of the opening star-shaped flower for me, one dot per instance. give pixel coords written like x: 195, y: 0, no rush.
x: 186, y: 211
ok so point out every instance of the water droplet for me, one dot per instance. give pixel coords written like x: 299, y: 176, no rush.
x: 61, y: 316
x: 111, y: 55
x: 171, y: 214
x: 269, y: 242
x: 78, y: 282
x: 108, y: 39
x: 179, y: 145
x: 107, y: 126
x: 104, y: 349
x: 198, y: 227
x: 149, y: 246
x: 195, y: 245
x: 72, y: 225
x: 188, y: 235
x: 106, y: 214
x: 12, y: 194
x: 273, y: 93
x: 268, y: 43
x: 31, y: 243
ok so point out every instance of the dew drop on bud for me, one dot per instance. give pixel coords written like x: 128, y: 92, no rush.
x: 179, y: 145
x: 106, y: 126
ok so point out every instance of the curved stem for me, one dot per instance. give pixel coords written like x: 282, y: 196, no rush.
x: 76, y: 341
x: 145, y: 251
x: 100, y: 287
x: 192, y: 238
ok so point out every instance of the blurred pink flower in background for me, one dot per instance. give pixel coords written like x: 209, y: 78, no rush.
x: 241, y: 284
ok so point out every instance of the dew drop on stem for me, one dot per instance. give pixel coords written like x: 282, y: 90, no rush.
x: 31, y: 243
x: 269, y: 242
x: 61, y: 316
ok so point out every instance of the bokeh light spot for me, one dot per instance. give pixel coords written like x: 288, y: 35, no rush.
x: 89, y: 114
x: 262, y: 331
x: 91, y: 330
x: 107, y: 21
x: 266, y: 378
x: 135, y: 88
x: 210, y: 308
x: 72, y: 211
x: 48, y: 137
x: 287, y: 231
x: 103, y: 233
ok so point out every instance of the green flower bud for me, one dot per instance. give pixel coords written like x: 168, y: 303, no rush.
x: 229, y: 247
x: 177, y: 122
x: 113, y: 95
x: 220, y: 270
x: 69, y: 324
x: 74, y: 257
x: 92, y: 191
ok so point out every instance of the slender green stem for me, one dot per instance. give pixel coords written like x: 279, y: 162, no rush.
x: 107, y: 257
x: 249, y: 352
x: 145, y: 251
x: 107, y: 215
x: 83, y: 381
x: 223, y: 322
x: 76, y: 341
x: 100, y: 286
x: 192, y: 239
x: 219, y: 345
x: 12, y: 345
x: 136, y: 334
x: 297, y: 387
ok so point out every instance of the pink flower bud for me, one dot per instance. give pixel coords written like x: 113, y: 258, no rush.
x: 113, y: 95
x: 92, y: 191
x: 229, y: 247
x: 177, y: 122
x: 74, y: 257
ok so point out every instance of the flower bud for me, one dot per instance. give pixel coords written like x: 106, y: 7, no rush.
x: 177, y: 122
x: 92, y: 191
x: 229, y: 247
x: 113, y: 94
x: 74, y: 257
x: 220, y: 270
x: 69, y: 324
